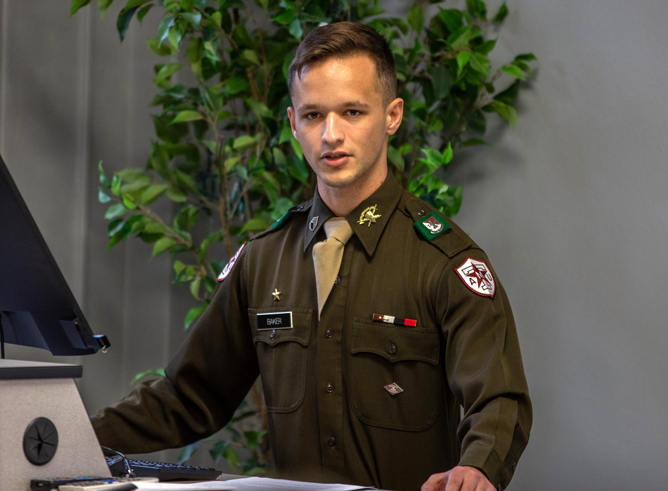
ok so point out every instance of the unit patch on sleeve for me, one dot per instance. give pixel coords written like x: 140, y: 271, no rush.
x: 230, y: 264
x: 432, y: 225
x: 477, y: 277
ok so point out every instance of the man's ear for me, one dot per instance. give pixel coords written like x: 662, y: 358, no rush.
x: 395, y: 113
x: 291, y: 116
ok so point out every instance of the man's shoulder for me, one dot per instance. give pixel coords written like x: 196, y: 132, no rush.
x: 297, y: 210
x: 433, y: 227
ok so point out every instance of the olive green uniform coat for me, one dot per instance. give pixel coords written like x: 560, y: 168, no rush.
x: 330, y: 418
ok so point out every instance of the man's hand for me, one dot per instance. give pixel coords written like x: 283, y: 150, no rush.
x: 460, y: 478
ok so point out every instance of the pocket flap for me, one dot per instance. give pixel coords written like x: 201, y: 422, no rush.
x: 396, y: 343
x: 299, y: 333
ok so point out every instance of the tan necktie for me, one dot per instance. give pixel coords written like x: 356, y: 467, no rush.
x: 327, y: 257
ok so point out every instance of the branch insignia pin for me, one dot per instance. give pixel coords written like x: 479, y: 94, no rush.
x: 313, y: 224
x: 369, y: 216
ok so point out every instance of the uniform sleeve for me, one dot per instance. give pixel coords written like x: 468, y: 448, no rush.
x: 484, y: 369
x: 204, y: 383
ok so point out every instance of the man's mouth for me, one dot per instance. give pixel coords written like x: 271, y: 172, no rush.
x: 335, y: 158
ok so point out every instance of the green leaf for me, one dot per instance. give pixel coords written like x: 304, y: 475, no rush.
x: 194, y: 287
x: 416, y: 17
x: 187, y: 115
x: 442, y: 82
x: 509, y: 96
x: 163, y: 29
x: 253, y: 438
x: 115, y: 211
x: 447, y: 155
x: 251, y: 56
x: 176, y: 195
x: 103, y: 5
x: 75, y: 5
x: 477, y: 8
x: 231, y: 162
x: 158, y: 48
x: 116, y: 185
x: 501, y: 14
x: 123, y: 21
x: 473, y: 142
x: 189, y: 450
x: 526, y: 57
x: 286, y: 17
x: 507, y: 112
x: 152, y: 193
x: 135, y: 3
x: 178, y: 266
x: 102, y: 196
x: 195, y: 19
x: 255, y: 225
x: 154, y: 372
x: 236, y: 84
x: 103, y: 178
x: 162, y: 245
x: 463, y: 58
x: 513, y: 71
x: 244, y: 141
x: 142, y: 13
x: 480, y: 64
x: 193, y: 314
x: 296, y: 29
x: 165, y: 73
x: 486, y: 47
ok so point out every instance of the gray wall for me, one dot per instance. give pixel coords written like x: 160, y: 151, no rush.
x: 570, y: 206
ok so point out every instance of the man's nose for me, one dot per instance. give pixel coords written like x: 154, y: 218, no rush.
x: 332, y: 133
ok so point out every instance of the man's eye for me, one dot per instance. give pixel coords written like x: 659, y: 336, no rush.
x: 357, y: 113
x: 310, y: 114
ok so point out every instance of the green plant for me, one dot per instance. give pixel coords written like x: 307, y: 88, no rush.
x: 224, y: 147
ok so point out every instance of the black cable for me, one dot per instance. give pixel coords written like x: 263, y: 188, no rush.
x: 126, y: 462
x: 2, y: 339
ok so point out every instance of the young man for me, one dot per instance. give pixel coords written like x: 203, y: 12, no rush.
x: 364, y: 367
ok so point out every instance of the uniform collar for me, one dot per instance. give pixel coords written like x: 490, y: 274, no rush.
x: 385, y: 200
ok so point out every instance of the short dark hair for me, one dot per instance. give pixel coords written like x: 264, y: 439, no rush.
x: 343, y: 40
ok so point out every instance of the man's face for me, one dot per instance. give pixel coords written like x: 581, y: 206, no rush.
x: 339, y: 119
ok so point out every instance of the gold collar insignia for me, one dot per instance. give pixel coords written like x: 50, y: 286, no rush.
x: 369, y: 216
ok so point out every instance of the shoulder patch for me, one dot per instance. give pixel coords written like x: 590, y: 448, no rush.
x: 450, y: 239
x: 432, y: 225
x: 281, y: 221
x: 230, y: 264
x: 477, y: 277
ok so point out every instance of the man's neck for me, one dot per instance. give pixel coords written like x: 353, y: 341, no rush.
x: 344, y: 200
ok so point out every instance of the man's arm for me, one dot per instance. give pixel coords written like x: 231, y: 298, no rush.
x: 204, y: 383
x: 484, y: 370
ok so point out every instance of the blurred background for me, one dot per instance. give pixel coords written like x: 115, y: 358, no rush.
x: 570, y: 206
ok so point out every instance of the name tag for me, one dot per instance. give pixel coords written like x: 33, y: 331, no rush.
x: 274, y: 320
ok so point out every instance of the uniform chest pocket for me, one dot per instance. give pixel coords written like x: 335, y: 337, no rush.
x: 282, y: 355
x: 385, y: 355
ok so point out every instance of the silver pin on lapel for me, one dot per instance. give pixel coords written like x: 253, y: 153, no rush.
x: 313, y: 224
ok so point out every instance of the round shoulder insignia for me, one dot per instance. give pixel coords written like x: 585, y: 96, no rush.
x: 230, y: 264
x: 477, y: 277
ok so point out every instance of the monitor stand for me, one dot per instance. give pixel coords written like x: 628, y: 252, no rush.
x: 44, y: 426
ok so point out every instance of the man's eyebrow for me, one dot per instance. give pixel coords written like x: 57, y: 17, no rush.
x: 308, y: 107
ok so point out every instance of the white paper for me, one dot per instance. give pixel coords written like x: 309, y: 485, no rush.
x: 167, y: 486
x: 265, y: 484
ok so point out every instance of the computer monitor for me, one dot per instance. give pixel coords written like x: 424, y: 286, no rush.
x: 37, y: 307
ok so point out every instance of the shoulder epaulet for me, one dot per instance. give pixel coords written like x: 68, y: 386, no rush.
x: 280, y: 223
x: 436, y: 229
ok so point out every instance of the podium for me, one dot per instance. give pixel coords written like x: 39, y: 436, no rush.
x: 44, y: 426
